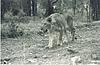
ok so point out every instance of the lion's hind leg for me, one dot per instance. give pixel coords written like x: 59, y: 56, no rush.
x: 65, y: 31
x: 72, y: 33
x: 50, y: 45
x: 55, y: 38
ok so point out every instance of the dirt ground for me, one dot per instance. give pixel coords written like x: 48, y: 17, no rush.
x: 30, y: 48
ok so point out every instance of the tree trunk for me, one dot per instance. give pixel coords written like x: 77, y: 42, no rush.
x: 49, y: 7
x: 5, y: 6
x: 95, y: 4
x: 74, y: 6
x: 26, y: 4
x: 34, y: 7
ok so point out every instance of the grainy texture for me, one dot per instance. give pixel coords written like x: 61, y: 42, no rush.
x: 22, y: 41
x: 30, y: 49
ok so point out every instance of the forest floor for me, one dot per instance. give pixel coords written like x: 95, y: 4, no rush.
x: 30, y: 48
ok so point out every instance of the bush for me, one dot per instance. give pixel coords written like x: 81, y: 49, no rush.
x: 12, y: 26
x: 10, y: 30
x: 20, y: 18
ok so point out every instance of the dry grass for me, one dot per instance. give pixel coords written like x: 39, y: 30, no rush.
x: 30, y: 48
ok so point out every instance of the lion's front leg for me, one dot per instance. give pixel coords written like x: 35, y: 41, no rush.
x: 65, y: 31
x: 57, y: 39
x: 60, y: 41
x: 50, y: 45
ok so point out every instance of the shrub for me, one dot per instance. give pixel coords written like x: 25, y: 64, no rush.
x: 11, y: 30
x: 11, y: 25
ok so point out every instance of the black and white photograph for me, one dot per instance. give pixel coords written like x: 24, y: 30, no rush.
x: 50, y: 32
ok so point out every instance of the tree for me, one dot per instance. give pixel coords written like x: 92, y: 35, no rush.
x: 34, y: 7
x: 95, y: 4
x: 49, y: 7
x: 26, y: 6
x: 5, y: 6
x: 30, y: 7
x: 74, y: 6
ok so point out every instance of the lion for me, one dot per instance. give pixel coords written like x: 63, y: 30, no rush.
x: 57, y: 25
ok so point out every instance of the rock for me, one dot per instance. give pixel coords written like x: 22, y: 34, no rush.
x: 35, y: 57
x: 71, y: 51
x: 32, y: 60
x: 75, y: 60
x: 45, y: 56
x: 5, y: 61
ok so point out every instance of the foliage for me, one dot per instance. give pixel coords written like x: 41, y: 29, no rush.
x: 8, y: 17
x: 11, y: 27
x: 11, y: 30
x: 8, y: 5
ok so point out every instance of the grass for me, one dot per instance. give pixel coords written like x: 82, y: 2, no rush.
x: 30, y: 48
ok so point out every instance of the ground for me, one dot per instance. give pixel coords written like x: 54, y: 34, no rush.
x: 30, y: 48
